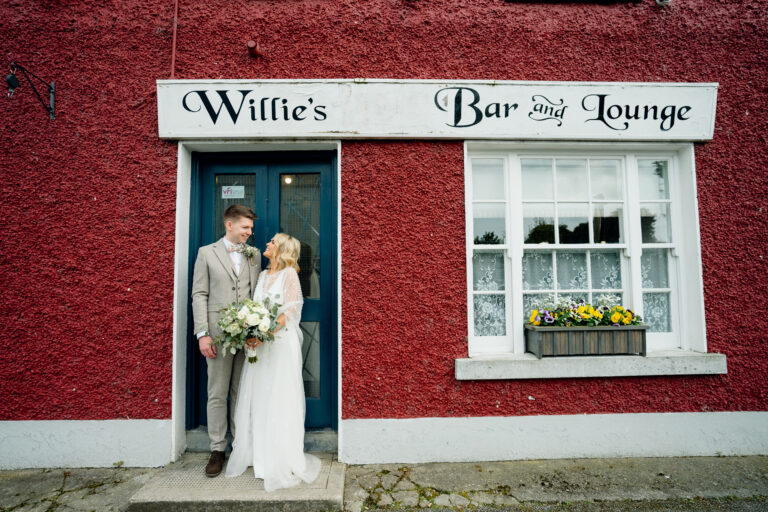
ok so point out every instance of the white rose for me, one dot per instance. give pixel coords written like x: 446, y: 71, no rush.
x: 243, y: 312
x: 264, y: 325
x: 252, y: 319
x: 262, y: 310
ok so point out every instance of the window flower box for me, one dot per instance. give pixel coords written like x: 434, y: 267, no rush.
x: 585, y: 341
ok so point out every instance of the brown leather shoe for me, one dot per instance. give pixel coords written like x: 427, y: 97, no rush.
x: 215, y: 464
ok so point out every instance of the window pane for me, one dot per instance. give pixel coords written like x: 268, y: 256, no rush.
x: 489, y: 315
x: 489, y: 223
x: 606, y: 270
x: 538, y: 223
x: 533, y: 301
x: 573, y: 223
x: 655, y: 222
x: 606, y: 222
x: 654, y: 268
x: 606, y: 179
x: 537, y: 271
x: 300, y: 218
x: 487, y: 179
x: 572, y: 270
x: 572, y: 180
x: 310, y: 354
x: 537, y: 179
x: 488, y: 271
x: 654, y: 180
x: 656, y: 311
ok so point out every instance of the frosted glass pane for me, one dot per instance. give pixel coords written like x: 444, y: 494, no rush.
x: 656, y: 312
x: 537, y: 271
x: 606, y: 270
x: 572, y: 271
x: 655, y: 222
x: 489, y: 223
x: 488, y: 271
x: 655, y: 272
x: 487, y: 179
x: 607, y: 223
x: 573, y: 223
x: 654, y: 179
x: 606, y: 179
x: 490, y: 315
x: 538, y: 223
x: 537, y: 179
x: 571, y: 180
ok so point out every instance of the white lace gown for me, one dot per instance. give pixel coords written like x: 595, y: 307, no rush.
x: 269, y: 413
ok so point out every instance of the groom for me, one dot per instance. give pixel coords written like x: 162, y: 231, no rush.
x: 223, y: 274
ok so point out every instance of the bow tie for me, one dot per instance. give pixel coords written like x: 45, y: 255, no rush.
x: 236, y: 248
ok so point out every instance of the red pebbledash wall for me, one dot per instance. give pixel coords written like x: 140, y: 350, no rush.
x: 88, y: 200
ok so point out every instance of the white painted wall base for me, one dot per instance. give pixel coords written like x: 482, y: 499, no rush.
x: 416, y: 440
x: 89, y: 443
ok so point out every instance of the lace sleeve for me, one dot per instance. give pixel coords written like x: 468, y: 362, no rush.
x: 292, y: 298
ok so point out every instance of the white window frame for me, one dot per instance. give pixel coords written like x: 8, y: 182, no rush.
x: 683, y: 352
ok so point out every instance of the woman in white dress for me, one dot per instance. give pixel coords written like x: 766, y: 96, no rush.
x: 270, y: 409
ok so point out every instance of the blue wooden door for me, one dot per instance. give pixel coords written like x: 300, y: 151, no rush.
x: 292, y: 193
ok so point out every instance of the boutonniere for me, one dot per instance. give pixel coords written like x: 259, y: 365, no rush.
x: 249, y: 252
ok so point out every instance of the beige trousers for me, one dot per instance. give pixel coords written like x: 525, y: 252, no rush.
x: 223, y: 378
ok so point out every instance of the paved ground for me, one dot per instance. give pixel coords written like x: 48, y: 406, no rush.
x: 701, y: 483
x: 737, y: 484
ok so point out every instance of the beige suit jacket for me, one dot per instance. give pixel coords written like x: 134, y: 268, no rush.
x: 214, y: 284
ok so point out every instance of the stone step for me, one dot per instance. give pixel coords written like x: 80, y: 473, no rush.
x: 183, y: 486
x: 325, y: 440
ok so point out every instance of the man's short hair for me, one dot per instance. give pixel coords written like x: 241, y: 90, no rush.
x: 236, y: 211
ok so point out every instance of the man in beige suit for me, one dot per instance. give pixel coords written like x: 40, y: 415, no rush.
x: 223, y: 274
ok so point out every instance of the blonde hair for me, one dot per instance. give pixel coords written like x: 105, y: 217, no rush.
x: 288, y: 249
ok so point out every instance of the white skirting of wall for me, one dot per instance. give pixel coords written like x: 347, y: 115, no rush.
x: 88, y: 443
x: 416, y: 440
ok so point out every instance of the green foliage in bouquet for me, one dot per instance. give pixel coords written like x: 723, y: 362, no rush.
x: 243, y: 321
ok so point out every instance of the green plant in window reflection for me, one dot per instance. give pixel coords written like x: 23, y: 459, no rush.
x: 542, y: 232
x: 488, y: 238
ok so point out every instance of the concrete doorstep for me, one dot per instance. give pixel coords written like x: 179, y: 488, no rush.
x: 183, y: 486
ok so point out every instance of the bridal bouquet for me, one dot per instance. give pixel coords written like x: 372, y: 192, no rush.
x: 244, y: 323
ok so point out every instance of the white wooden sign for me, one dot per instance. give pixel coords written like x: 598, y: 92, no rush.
x: 423, y: 109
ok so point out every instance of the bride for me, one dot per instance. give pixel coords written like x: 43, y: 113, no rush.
x: 269, y: 414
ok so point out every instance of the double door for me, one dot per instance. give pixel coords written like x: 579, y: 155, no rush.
x: 292, y: 193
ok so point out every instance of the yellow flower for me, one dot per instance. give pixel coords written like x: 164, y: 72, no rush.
x: 615, y: 317
x: 581, y: 309
x: 626, y: 320
x: 585, y: 316
x: 534, y: 314
x: 620, y: 308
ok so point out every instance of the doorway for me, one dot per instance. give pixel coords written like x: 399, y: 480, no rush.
x: 290, y: 192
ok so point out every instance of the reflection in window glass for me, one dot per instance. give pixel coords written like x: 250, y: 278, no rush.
x: 300, y: 218
x: 487, y: 179
x: 606, y: 222
x: 571, y: 180
x: 537, y: 179
x: 310, y: 354
x: 489, y: 223
x: 573, y: 223
x: 654, y: 180
x: 538, y: 223
x: 655, y: 223
x: 606, y: 179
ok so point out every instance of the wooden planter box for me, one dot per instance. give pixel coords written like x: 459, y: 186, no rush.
x: 585, y: 341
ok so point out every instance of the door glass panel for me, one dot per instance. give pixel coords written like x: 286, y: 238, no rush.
x: 300, y: 218
x: 310, y: 355
x: 232, y: 189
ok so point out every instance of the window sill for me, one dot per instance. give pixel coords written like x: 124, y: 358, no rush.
x: 526, y: 366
